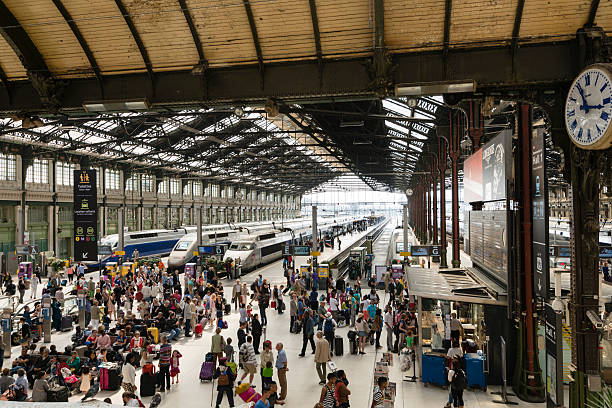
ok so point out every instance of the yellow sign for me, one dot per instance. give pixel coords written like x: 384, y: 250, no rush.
x: 119, y: 253
x: 404, y: 253
x: 323, y: 271
x: 196, y: 253
x: 315, y: 253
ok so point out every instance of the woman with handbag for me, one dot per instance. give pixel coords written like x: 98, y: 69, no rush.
x: 327, y: 398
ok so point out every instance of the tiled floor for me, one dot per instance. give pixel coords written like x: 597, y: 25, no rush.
x: 303, y: 388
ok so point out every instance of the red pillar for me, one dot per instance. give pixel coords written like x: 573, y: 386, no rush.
x: 454, y: 155
x: 442, y: 156
x: 427, y: 185
x: 434, y: 180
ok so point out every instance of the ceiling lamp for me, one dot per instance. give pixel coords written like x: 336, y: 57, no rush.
x: 117, y: 105
x: 435, y: 88
x: 412, y: 102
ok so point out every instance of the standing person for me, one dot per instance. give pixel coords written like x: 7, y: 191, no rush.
x: 329, y: 327
x: 264, y: 302
x: 174, y: 365
x: 458, y: 382
x: 187, y: 314
x: 165, y: 354
x: 225, y: 382
x: 379, y: 389
x: 293, y: 311
x: 266, y: 357
x: 129, y: 374
x: 248, y: 359
x: 322, y: 356
x: 339, y: 244
x: 21, y: 287
x: 342, y: 391
x: 327, y: 398
x: 216, y: 345
x: 33, y: 287
x: 307, y: 333
x: 388, y: 322
x: 377, y: 326
x: 281, y: 370
x: 236, y: 294
x: 242, y: 334
x: 256, y: 332
x: 361, y: 326
x: 455, y: 326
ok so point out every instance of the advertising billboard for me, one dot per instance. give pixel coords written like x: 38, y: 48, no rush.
x: 472, y: 173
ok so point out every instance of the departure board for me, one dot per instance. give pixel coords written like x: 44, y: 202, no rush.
x: 488, y: 243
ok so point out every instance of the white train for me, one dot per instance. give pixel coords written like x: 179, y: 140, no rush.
x: 182, y: 253
x: 263, y: 247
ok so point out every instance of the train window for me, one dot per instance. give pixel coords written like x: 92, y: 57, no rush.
x: 143, y: 235
x: 266, y: 236
x: 242, y: 246
x: 182, y: 245
x: 270, y: 249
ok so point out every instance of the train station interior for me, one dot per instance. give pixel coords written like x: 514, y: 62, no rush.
x: 382, y: 203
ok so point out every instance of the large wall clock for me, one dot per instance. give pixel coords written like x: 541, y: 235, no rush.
x: 588, y: 108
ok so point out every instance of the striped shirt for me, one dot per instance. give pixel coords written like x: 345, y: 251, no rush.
x: 165, y: 354
x: 378, y: 396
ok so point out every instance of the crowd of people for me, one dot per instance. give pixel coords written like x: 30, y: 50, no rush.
x: 133, y: 320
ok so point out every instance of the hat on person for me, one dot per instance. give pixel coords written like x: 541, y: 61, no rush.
x: 328, y: 314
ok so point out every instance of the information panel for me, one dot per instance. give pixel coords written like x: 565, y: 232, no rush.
x: 554, y: 358
x: 539, y: 199
x: 301, y: 250
x: 85, y: 206
x: 488, y: 243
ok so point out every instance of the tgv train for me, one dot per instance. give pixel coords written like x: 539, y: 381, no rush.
x: 182, y: 253
x: 148, y: 243
x: 264, y: 247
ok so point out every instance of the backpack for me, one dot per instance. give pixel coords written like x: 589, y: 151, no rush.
x: 329, y: 326
x: 459, y: 382
x: 223, y: 376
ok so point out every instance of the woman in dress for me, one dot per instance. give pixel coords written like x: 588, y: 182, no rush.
x: 174, y: 365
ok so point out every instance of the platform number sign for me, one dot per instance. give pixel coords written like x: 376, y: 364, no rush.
x: 588, y: 108
x: 85, y: 215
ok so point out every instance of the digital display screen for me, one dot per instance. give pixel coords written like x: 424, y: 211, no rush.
x: 206, y: 250
x: 605, y: 252
x: 301, y: 250
x: 417, y: 250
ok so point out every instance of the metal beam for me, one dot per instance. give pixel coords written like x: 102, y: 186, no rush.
x: 194, y: 31
x: 4, y: 79
x: 592, y: 13
x: 317, y: 34
x: 544, y: 65
x: 516, y: 32
x: 77, y: 33
x: 143, y: 51
x: 448, y: 7
x: 249, y: 12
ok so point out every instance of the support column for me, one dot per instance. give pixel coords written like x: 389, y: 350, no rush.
x: 454, y: 155
x: 155, y: 217
x: 434, y: 180
x: 442, y: 156
x: 405, y: 229
x: 429, y: 222
x: 584, y: 241
x: 120, y: 218
x: 139, y: 217
x: 530, y: 386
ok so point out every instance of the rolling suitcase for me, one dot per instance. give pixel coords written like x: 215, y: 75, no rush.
x: 147, y: 385
x: 247, y: 393
x: 338, y: 345
x: 297, y: 326
x: 66, y: 323
x: 228, y: 308
x: 197, y: 330
x: 206, y: 372
x: 353, y: 346
x: 110, y: 377
x: 58, y: 394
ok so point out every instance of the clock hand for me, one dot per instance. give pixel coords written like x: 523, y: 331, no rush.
x: 595, y: 106
x: 584, y: 105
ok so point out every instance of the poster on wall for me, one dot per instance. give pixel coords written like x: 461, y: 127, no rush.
x: 472, y: 173
x: 496, y: 156
x: 85, y: 205
x: 539, y: 199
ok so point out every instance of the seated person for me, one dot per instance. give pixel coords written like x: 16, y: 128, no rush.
x: 160, y: 322
x: 43, y: 364
x: 20, y: 388
x: 137, y: 342
x: 121, y: 341
x: 26, y: 332
x: 23, y: 361
x: 103, y: 341
x: 102, y: 356
x: 40, y: 388
x: 93, y: 360
x: 5, y: 380
x: 172, y: 327
x: 92, y: 338
x: 74, y: 362
x: 53, y: 350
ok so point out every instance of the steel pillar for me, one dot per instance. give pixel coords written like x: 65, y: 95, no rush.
x: 529, y: 386
x: 434, y: 180
x: 454, y: 155
x: 429, y: 223
x: 442, y: 156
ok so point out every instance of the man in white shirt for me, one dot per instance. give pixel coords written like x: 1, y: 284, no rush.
x: 388, y: 321
x: 333, y: 306
x: 146, y: 292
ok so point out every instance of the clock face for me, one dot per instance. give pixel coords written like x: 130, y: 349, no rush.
x: 588, y: 108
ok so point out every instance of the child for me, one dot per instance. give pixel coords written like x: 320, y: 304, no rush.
x: 267, y: 374
x: 174, y: 365
x: 410, y: 340
x: 85, y: 380
x: 228, y: 349
x: 92, y: 338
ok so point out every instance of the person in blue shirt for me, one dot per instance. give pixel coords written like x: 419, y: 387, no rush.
x: 307, y: 333
x: 314, y: 304
x: 26, y: 315
x: 315, y: 281
x: 300, y: 310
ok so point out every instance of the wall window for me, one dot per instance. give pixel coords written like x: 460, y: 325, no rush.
x: 36, y: 214
x: 223, y: 191
x: 63, y: 173
x: 197, y: 189
x: 8, y: 164
x: 131, y: 184
x: 214, y: 188
x: 38, y: 172
x: 163, y: 187
x: 175, y: 186
x: 112, y: 179
x: 146, y: 183
x: 230, y: 192
x: 98, y: 181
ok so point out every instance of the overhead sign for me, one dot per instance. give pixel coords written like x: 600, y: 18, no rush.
x: 85, y: 205
x: 301, y: 250
x: 22, y: 249
x: 206, y: 250
x: 404, y: 253
x: 559, y: 251
x: 119, y: 253
x: 33, y: 249
x: 287, y: 250
x: 539, y: 199
x: 419, y: 250
x: 315, y: 253
x: 104, y: 250
x: 605, y: 252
